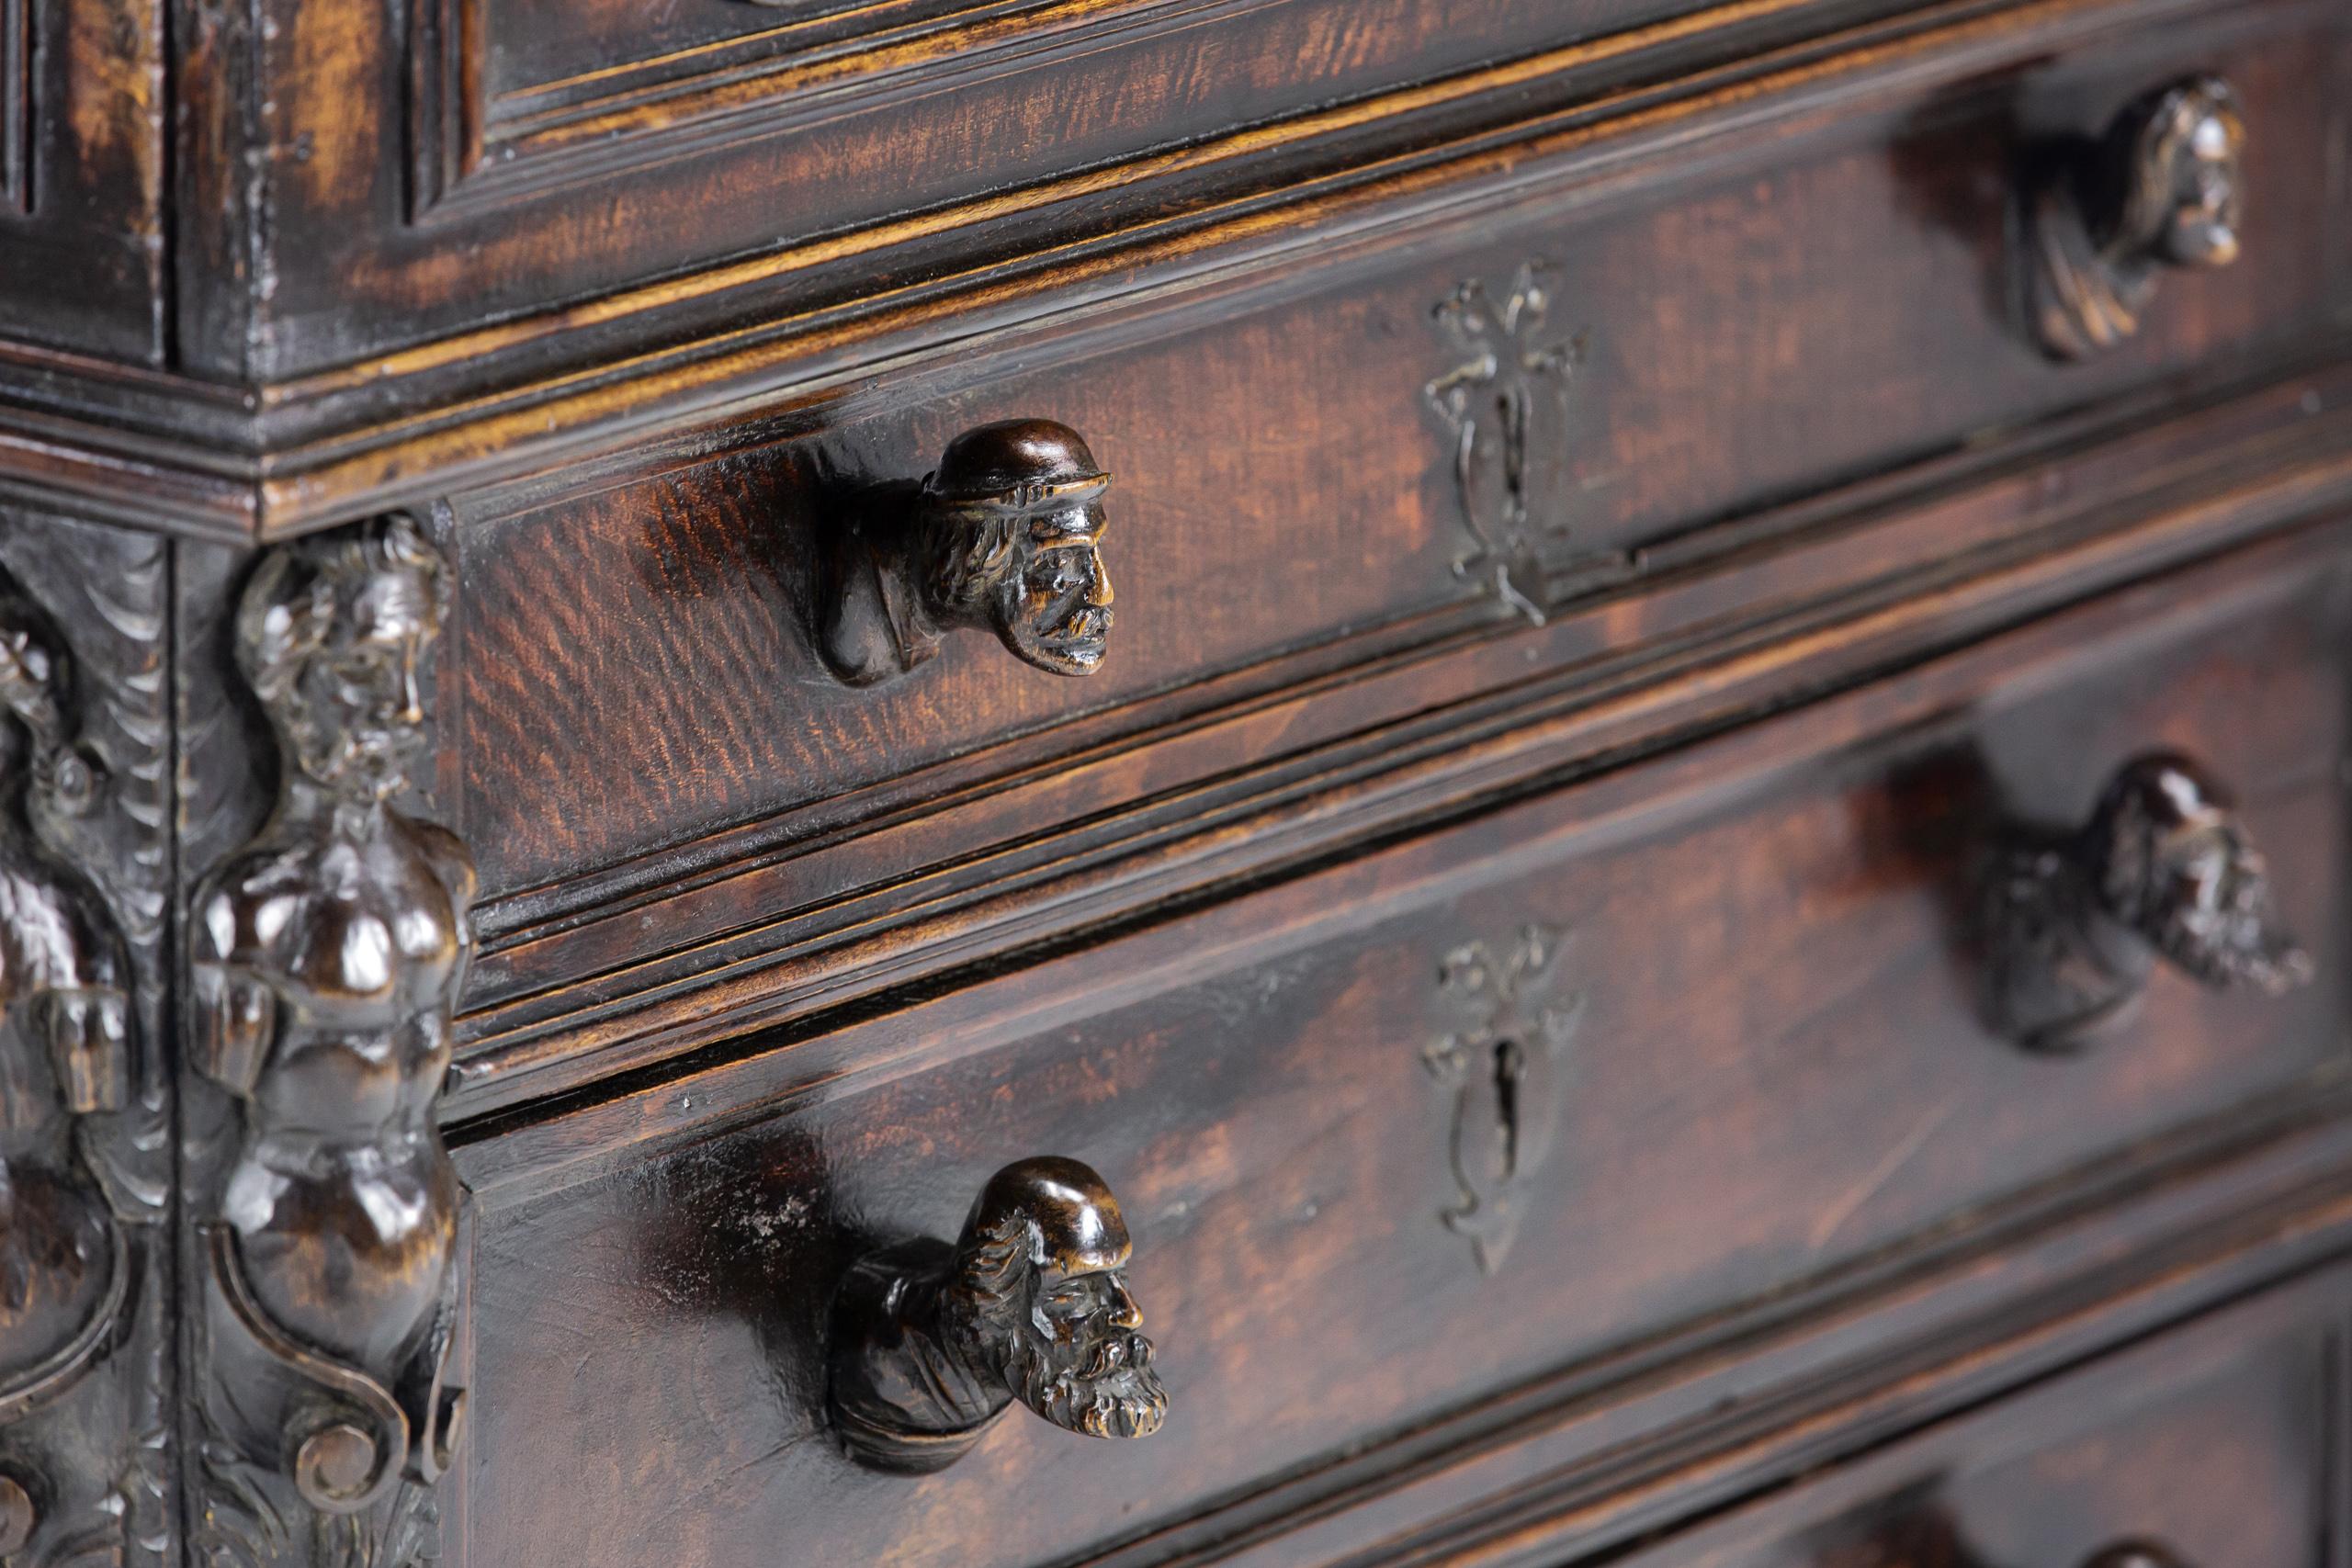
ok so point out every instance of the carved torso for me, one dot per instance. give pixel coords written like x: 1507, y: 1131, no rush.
x: 344, y: 1207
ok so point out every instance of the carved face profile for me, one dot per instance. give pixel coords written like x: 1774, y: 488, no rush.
x: 1022, y: 505
x: 2178, y: 868
x: 1044, y: 1278
x: 2184, y: 201
x: 333, y: 638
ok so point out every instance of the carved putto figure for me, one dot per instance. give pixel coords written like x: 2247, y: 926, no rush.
x: 64, y: 1055
x: 329, y: 956
x: 933, y: 1341
x: 2164, y: 870
x: 1006, y: 536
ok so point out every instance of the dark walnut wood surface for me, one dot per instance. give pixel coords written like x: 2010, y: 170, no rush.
x: 2215, y: 1443
x: 1429, y: 1125
x: 1289, y: 784
x: 1716, y: 348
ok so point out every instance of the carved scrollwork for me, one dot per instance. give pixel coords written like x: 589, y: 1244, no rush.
x: 931, y: 1341
x: 2161, y: 189
x: 329, y: 954
x: 1504, y: 409
x: 2073, y: 923
x: 1503, y: 1063
x: 1005, y: 537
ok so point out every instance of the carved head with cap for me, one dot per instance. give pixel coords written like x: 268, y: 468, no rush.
x: 1041, y: 1288
x: 2181, y: 200
x: 1017, y: 529
x: 2176, y: 866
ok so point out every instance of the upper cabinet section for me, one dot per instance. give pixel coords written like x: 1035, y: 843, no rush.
x: 81, y: 174
x: 429, y: 167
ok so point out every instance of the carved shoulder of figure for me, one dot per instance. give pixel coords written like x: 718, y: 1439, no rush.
x: 871, y: 627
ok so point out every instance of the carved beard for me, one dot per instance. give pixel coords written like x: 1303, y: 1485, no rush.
x: 1103, y: 1388
x: 1046, y: 614
x: 2232, y: 940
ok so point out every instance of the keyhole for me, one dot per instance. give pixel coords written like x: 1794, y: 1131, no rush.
x: 1509, y: 1065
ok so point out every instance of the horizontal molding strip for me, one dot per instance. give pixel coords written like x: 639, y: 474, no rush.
x: 1507, y: 711
x: 406, y: 428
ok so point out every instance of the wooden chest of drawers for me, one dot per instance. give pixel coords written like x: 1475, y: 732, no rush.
x: 1495, y: 782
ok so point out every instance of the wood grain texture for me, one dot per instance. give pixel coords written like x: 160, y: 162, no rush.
x: 818, y: 326
x: 82, y: 176
x: 817, y: 908
x: 1778, y: 1034
x: 2217, y: 1441
x: 1697, y: 318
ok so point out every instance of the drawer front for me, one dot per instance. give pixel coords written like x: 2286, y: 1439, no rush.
x: 2214, y: 1443
x: 1661, y: 1048
x: 642, y: 688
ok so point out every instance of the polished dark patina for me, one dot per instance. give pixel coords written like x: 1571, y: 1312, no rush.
x: 1005, y: 537
x: 933, y: 1341
x: 2164, y: 870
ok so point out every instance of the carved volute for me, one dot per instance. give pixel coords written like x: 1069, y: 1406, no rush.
x: 1005, y: 537
x: 328, y: 955
x: 933, y: 1341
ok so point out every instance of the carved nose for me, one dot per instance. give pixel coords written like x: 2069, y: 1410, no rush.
x: 1122, y: 1311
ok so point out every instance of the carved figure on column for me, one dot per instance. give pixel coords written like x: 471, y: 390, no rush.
x: 64, y: 1056
x: 329, y: 954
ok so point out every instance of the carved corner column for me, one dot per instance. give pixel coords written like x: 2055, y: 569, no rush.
x: 86, y: 1089
x: 328, y: 930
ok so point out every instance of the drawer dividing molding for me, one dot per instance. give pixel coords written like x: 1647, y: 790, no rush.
x: 1371, y: 735
x: 1255, y: 1076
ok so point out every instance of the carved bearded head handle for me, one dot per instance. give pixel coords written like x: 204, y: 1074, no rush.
x: 1013, y: 531
x: 2164, y: 871
x: 1005, y: 535
x: 2173, y: 863
x: 1031, y: 1304
x: 2162, y: 188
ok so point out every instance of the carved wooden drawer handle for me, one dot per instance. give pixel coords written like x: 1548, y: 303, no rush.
x: 2160, y: 190
x: 2164, y: 869
x: 1004, y: 537
x: 931, y: 1341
